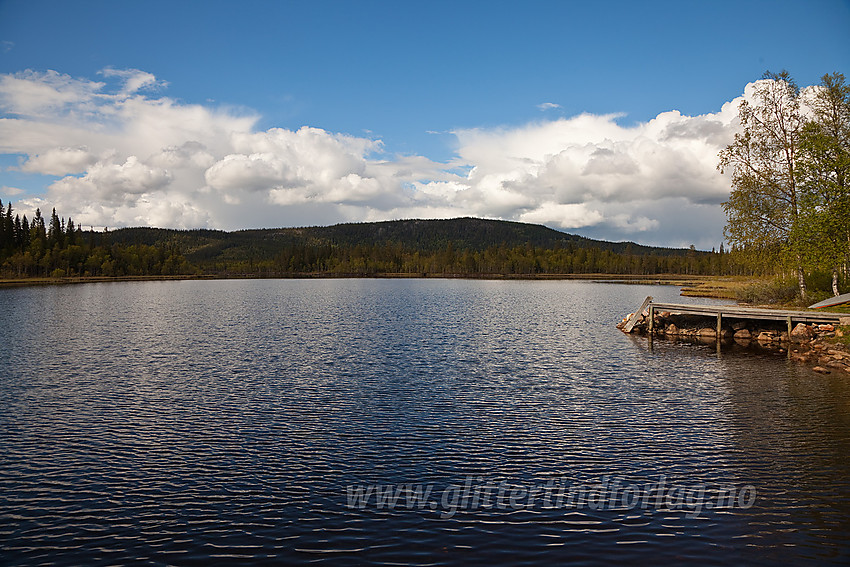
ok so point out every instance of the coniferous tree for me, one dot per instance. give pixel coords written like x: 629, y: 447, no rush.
x: 7, y: 225
x: 55, y: 233
x: 19, y: 236
x: 70, y: 233
x: 25, y: 233
x: 38, y: 221
x: 2, y: 228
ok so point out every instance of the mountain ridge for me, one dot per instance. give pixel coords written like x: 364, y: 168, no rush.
x: 428, y: 235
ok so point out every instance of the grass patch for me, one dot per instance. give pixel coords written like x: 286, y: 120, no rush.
x: 842, y: 336
x: 720, y: 287
x: 778, y: 291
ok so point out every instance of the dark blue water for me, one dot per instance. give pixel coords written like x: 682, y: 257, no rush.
x: 267, y: 421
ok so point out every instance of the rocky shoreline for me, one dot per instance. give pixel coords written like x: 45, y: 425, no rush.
x: 813, y: 345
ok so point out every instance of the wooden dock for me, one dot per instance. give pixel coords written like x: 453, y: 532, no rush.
x: 719, y: 312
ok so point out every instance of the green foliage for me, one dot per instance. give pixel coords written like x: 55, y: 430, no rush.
x: 824, y: 170
x: 784, y: 290
x: 763, y: 207
x: 790, y: 200
x: 820, y: 280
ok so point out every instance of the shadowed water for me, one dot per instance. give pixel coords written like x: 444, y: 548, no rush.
x: 179, y: 422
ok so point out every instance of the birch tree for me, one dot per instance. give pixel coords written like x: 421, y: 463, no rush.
x: 824, y: 171
x: 764, y: 205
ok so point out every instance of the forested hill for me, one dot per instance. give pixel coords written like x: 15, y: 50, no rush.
x: 465, y: 246
x: 462, y: 234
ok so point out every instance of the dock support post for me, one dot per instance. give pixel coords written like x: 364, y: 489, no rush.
x: 789, y: 328
x: 651, y: 318
x: 719, y: 324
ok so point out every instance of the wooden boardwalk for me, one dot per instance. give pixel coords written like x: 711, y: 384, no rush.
x: 734, y: 312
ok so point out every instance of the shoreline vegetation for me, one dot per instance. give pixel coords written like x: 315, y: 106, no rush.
x: 57, y: 251
x: 790, y: 173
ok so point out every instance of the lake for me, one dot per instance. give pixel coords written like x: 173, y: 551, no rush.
x: 439, y: 422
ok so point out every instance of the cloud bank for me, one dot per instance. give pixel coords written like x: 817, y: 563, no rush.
x: 119, y: 153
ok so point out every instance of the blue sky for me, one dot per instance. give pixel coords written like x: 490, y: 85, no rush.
x: 531, y: 111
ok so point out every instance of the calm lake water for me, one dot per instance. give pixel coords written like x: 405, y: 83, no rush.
x: 405, y: 422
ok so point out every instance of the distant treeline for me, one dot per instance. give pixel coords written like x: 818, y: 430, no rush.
x: 467, y: 246
x: 57, y: 248
x: 503, y: 259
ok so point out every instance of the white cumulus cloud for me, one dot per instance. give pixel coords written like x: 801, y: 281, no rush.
x: 60, y: 161
x: 113, y: 182
x: 124, y: 154
x: 586, y: 170
x: 574, y: 215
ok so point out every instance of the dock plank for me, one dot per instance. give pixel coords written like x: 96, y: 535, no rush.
x: 738, y: 312
x: 630, y: 324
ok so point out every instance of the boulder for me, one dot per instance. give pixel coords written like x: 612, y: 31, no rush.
x: 671, y: 329
x: 742, y: 334
x: 707, y: 332
x: 766, y: 337
x: 801, y: 333
x: 826, y: 328
x: 821, y: 370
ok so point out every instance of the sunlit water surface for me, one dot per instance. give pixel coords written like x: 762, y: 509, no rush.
x: 184, y: 422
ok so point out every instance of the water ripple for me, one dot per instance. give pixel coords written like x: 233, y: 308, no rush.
x: 183, y: 422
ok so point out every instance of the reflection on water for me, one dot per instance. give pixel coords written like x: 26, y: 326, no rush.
x: 182, y: 421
